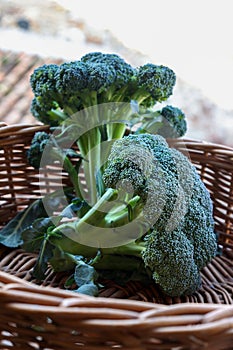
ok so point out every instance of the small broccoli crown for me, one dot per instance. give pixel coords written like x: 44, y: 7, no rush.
x: 47, y: 98
x: 100, y: 77
x: 137, y: 164
x: 44, y: 111
x: 42, y: 79
x: 71, y: 78
x: 131, y: 159
x: 93, y: 57
x: 123, y: 70
x: 38, y: 144
x: 174, y: 122
x: 156, y: 80
x: 38, y: 111
x: 170, y: 257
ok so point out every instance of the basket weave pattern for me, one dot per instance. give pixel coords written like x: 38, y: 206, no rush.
x: 131, y: 317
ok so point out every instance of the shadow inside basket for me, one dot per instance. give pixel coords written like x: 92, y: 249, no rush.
x: 20, y: 184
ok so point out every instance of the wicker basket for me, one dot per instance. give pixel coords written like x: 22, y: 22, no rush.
x: 134, y: 317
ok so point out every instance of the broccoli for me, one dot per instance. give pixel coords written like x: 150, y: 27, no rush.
x: 47, y: 101
x: 149, y: 214
x: 170, y: 122
x: 156, y: 210
x: 174, y: 122
x: 94, y: 79
x: 154, y: 83
x: 37, y: 147
x: 86, y: 86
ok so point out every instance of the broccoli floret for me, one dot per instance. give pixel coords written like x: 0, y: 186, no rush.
x: 98, y: 78
x: 171, y: 258
x: 122, y: 70
x: 174, y: 122
x: 71, y: 78
x: 43, y: 80
x: 163, y: 193
x: 199, y: 224
x: 47, y: 104
x: 170, y: 122
x: 146, y: 166
x: 154, y: 84
x: 35, y: 152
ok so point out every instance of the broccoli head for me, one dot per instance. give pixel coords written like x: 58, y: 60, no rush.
x: 123, y: 71
x: 71, y: 78
x: 177, y: 205
x: 171, y: 258
x: 43, y: 80
x: 174, y: 122
x: 144, y: 165
x: 156, y: 82
x: 37, y: 147
x: 94, y: 79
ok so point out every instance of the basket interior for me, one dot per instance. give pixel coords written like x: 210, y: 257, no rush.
x: 20, y: 184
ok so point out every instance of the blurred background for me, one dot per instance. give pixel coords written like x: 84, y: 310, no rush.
x: 194, y: 38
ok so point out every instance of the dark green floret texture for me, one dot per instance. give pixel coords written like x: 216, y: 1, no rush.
x: 62, y: 90
x: 175, y: 124
x: 35, y: 152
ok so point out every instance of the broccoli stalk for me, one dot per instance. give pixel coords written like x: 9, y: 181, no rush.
x: 104, y: 224
x: 172, y: 265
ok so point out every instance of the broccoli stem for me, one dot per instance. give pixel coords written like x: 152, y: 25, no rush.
x: 82, y: 236
x: 89, y: 145
x: 68, y: 166
x: 104, y: 214
x: 119, y: 263
x: 57, y: 114
x: 140, y: 96
x: 68, y: 245
x: 115, y: 130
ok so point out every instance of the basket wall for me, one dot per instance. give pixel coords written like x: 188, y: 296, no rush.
x: 49, y: 318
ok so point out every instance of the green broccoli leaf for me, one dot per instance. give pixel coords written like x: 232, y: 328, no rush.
x: 85, y: 277
x: 36, y: 238
x: 88, y: 289
x: 34, y: 235
x: 10, y: 235
x: 62, y: 261
x: 46, y: 252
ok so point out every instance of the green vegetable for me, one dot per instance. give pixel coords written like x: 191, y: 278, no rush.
x: 145, y: 214
x: 174, y: 122
x: 172, y: 227
x: 70, y: 95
